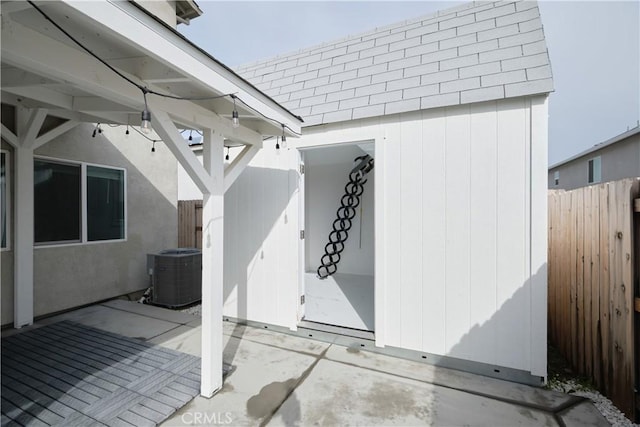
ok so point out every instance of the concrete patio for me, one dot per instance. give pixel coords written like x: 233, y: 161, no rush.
x: 282, y: 379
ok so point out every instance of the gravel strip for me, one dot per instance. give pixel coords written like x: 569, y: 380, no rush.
x: 194, y: 310
x: 604, y: 405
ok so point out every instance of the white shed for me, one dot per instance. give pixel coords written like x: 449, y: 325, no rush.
x: 446, y: 256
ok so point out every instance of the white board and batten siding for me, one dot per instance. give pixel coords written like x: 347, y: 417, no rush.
x: 458, y: 233
x: 261, y: 240
x: 460, y: 236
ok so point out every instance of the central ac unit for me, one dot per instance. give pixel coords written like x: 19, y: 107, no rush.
x: 176, y: 277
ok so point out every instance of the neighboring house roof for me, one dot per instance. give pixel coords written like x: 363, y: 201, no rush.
x: 599, y: 146
x: 187, y: 9
x: 470, y: 53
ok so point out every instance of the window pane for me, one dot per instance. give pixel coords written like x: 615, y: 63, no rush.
x: 105, y: 203
x: 56, y: 202
x: 3, y: 198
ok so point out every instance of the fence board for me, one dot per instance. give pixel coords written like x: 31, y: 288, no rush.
x: 573, y: 272
x: 587, y: 281
x: 595, y: 284
x: 578, y: 286
x: 190, y: 224
x: 592, y: 272
x: 605, y: 280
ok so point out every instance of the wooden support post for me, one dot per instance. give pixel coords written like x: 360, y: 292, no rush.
x: 23, y: 238
x: 29, y: 123
x: 212, y: 264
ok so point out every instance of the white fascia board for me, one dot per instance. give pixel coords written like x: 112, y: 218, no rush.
x: 34, y: 52
x: 136, y: 28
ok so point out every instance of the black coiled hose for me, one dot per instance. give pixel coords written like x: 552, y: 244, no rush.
x: 346, y: 212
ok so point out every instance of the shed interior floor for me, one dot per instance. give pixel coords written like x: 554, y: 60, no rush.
x: 342, y: 299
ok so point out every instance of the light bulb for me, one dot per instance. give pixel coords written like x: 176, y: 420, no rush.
x: 236, y: 119
x: 145, y: 126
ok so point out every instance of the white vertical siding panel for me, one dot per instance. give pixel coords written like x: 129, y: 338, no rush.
x: 266, y: 290
x: 483, y: 206
x: 411, y: 230
x: 231, y: 248
x: 457, y: 175
x: 288, y: 245
x: 255, y: 270
x: 511, y: 297
x: 538, y: 281
x: 393, y: 216
x: 380, y: 249
x: 526, y: 312
x: 433, y: 231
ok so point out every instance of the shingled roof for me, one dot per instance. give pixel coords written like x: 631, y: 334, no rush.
x: 470, y: 53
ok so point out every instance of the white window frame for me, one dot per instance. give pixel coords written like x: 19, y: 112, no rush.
x: 556, y: 178
x: 591, y: 164
x: 7, y: 197
x: 83, y: 205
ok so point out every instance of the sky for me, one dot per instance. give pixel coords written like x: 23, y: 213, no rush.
x: 594, y: 47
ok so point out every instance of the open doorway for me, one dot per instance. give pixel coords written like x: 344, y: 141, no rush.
x: 339, y: 289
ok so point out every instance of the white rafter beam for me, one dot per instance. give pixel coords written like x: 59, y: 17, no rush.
x: 42, y: 95
x: 235, y: 168
x: 127, y: 21
x: 13, y: 77
x: 95, y: 103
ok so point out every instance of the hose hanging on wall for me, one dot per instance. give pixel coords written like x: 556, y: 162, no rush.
x: 346, y: 212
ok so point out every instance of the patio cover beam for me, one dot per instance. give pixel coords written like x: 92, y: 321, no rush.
x: 36, y: 53
x: 137, y: 28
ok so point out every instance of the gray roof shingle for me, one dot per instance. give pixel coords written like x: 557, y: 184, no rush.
x: 475, y: 52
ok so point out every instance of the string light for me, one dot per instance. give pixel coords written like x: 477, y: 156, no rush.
x: 145, y: 126
x: 190, y: 136
x: 153, y: 147
x: 284, y: 138
x: 96, y: 129
x: 227, y: 156
x: 277, y: 144
x: 146, y: 114
x: 234, y: 116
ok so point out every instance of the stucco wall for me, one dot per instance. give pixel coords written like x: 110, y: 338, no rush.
x: 66, y: 276
x: 619, y: 160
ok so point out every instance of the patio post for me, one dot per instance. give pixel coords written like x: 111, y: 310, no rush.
x: 23, y: 238
x: 28, y: 124
x: 212, y: 264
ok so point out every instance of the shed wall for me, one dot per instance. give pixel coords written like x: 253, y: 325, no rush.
x: 67, y: 276
x: 457, y: 270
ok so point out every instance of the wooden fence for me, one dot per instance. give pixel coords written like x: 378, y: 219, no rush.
x: 593, y: 283
x: 190, y: 224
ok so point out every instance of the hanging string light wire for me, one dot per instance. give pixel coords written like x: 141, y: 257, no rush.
x: 144, y: 89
